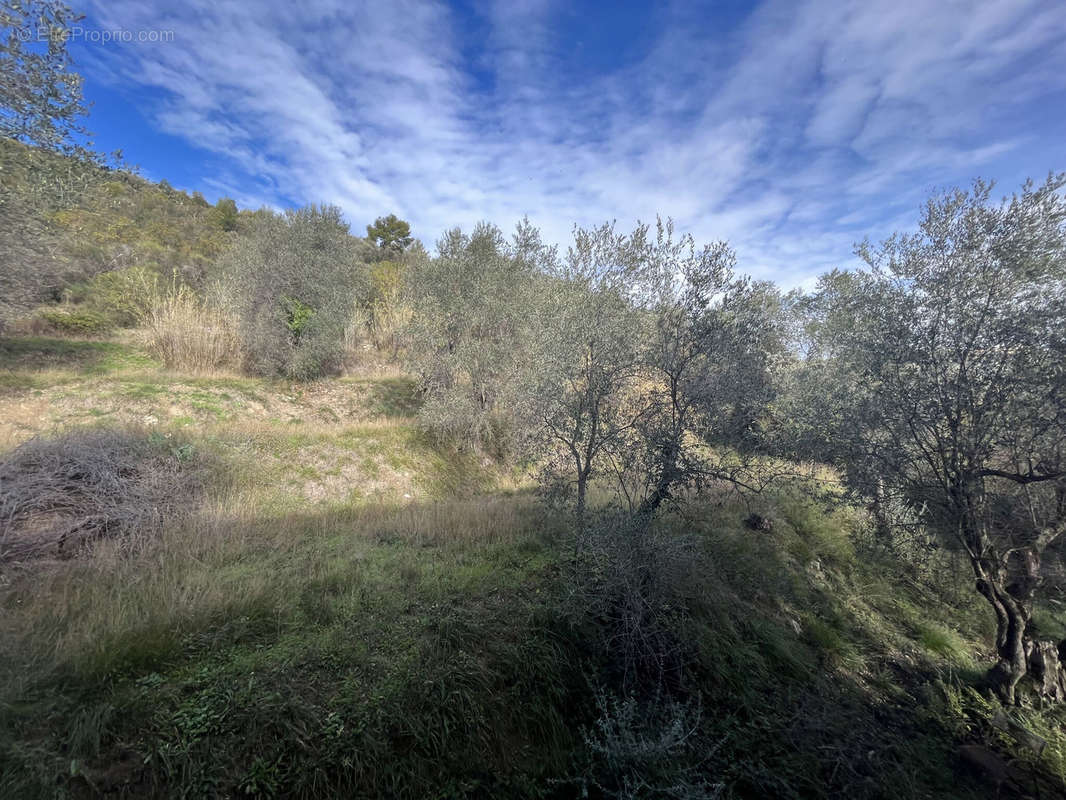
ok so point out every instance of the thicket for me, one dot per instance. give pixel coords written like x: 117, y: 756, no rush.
x: 296, y: 277
x: 78, y: 233
x: 91, y: 248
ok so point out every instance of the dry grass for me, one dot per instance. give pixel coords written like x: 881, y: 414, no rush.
x: 190, y: 334
x: 226, y: 562
x: 378, y: 331
x: 34, y: 402
x: 388, y: 320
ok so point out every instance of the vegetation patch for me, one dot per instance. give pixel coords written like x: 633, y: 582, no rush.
x: 60, y: 496
x: 38, y: 352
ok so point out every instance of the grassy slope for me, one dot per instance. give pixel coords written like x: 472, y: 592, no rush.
x: 360, y: 613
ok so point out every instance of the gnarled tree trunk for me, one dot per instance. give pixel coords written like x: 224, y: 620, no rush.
x: 1020, y: 654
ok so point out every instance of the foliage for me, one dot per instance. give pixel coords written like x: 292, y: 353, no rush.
x: 653, y: 351
x: 709, y: 356
x: 124, y: 296
x: 33, y: 182
x: 646, y: 751
x: 946, y: 387
x: 40, y: 94
x: 374, y: 639
x: 225, y: 214
x: 297, y: 317
x: 390, y: 234
x: 295, y: 277
x: 474, y: 334
x: 64, y: 221
x: 123, y: 221
x: 75, y: 321
x: 591, y: 338
x: 391, y: 305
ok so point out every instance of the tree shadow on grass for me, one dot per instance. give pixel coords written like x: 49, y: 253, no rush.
x: 391, y: 653
x: 409, y: 650
x: 33, y: 353
x: 395, y: 397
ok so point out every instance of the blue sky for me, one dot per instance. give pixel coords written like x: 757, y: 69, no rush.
x: 791, y: 128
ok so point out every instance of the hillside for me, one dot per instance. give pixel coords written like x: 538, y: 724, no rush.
x: 347, y: 609
x: 576, y: 498
x: 66, y: 221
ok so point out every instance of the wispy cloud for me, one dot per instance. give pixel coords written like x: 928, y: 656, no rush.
x: 792, y: 132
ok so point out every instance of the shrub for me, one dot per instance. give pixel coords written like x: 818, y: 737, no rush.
x: 297, y: 276
x: 58, y: 496
x: 123, y: 295
x: 75, y: 321
x: 637, y: 581
x: 190, y: 333
x: 646, y: 750
x: 473, y: 341
x: 225, y: 214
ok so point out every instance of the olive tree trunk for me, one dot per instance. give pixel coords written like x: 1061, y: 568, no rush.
x: 1020, y: 654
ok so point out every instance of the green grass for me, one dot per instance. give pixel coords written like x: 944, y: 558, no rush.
x: 942, y: 641
x: 394, y: 397
x: 365, y: 634
x: 17, y: 382
x: 358, y: 611
x: 89, y: 356
x: 430, y: 650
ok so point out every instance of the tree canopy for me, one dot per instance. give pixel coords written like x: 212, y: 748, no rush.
x: 944, y: 375
x: 40, y: 93
x: 390, y: 233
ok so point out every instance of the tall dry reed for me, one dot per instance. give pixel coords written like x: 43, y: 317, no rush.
x: 193, y: 334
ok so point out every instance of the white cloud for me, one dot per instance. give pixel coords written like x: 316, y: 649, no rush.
x: 807, y: 123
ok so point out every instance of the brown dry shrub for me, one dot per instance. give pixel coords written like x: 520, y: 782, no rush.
x: 58, y: 496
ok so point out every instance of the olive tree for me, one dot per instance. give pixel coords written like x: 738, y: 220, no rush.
x: 948, y: 367
x: 592, y: 346
x: 296, y: 276
x: 656, y: 351
x: 711, y: 338
x: 40, y: 93
x: 41, y: 107
x: 472, y: 337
